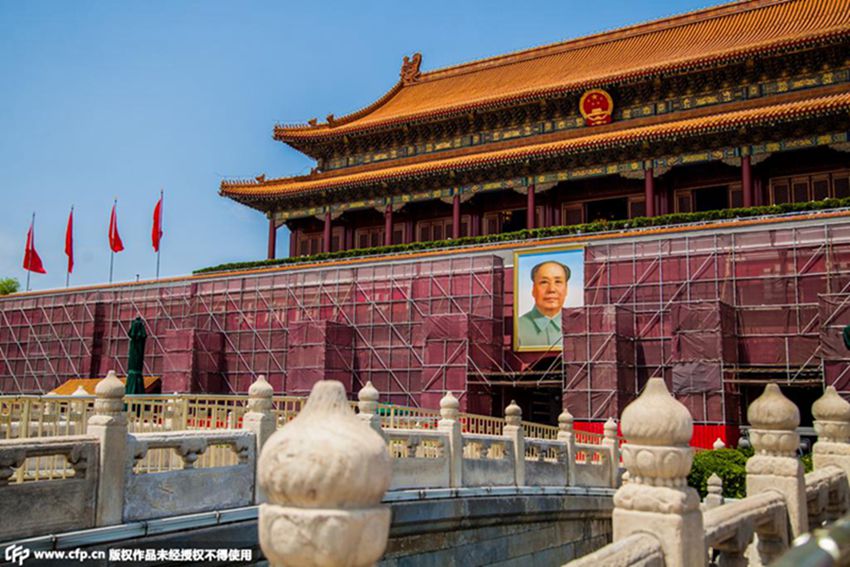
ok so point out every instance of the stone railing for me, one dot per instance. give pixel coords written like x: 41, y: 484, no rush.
x: 51, y: 415
x: 72, y: 500
x: 135, y: 475
x: 447, y: 457
x: 188, y: 490
x: 112, y: 476
x: 782, y: 503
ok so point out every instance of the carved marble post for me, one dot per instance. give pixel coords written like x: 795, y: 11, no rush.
x: 514, y: 431
x: 260, y: 419
x: 368, y: 406
x: 612, y: 446
x: 657, y: 498
x: 714, y: 498
x: 774, y: 419
x: 109, y: 425
x: 832, y: 424
x: 77, y: 414
x: 325, y: 473
x: 565, y: 434
x: 449, y: 424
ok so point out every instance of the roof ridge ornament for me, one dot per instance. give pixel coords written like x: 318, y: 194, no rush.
x: 410, y: 72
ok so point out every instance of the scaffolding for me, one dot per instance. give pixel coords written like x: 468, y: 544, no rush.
x: 712, y: 310
x: 370, y: 323
x: 771, y: 300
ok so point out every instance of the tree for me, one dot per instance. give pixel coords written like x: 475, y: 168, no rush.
x: 9, y: 285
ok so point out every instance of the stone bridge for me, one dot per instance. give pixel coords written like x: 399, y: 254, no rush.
x: 326, y: 486
x: 457, y: 497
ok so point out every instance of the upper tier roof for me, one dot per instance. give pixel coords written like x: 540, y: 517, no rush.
x: 575, y: 142
x: 705, y: 37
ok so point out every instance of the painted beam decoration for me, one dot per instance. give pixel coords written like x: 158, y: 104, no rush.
x: 545, y: 283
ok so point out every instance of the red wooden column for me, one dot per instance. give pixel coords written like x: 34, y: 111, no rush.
x: 272, y: 238
x: 326, y: 236
x: 456, y: 215
x: 747, y: 181
x: 649, y: 192
x: 530, y: 210
x: 388, y: 225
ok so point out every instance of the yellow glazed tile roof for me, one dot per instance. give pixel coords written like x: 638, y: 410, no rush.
x: 705, y: 37
x: 89, y: 384
x: 728, y: 121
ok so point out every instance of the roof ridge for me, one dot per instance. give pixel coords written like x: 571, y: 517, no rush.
x: 615, y: 34
x: 632, y: 30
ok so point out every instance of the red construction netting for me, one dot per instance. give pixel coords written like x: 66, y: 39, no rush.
x: 240, y: 326
x: 787, y: 286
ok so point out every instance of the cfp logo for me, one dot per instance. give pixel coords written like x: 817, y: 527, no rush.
x: 17, y: 554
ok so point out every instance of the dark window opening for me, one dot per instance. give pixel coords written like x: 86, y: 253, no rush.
x: 638, y: 209
x: 513, y: 220
x: 801, y: 191
x: 780, y: 194
x: 737, y: 198
x: 607, y: 209
x: 711, y: 198
x: 842, y: 187
x: 820, y: 188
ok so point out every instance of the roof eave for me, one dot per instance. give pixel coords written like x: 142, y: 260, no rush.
x: 307, y: 138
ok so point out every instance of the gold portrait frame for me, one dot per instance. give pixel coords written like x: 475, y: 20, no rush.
x: 555, y: 349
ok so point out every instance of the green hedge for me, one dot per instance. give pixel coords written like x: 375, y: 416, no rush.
x: 729, y: 464
x: 587, y: 228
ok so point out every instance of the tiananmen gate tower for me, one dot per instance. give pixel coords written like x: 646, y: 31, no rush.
x: 555, y: 226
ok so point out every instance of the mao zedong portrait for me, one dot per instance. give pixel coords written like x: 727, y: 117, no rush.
x: 541, y: 326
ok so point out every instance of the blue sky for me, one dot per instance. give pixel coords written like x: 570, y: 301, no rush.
x: 104, y: 100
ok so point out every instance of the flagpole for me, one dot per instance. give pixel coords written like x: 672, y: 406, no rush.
x: 159, y: 243
x: 67, y: 271
x: 111, y: 251
x: 32, y: 229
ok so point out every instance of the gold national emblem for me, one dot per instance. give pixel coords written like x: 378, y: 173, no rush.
x: 596, y: 106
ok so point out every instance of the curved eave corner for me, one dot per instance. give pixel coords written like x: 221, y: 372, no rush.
x: 297, y: 135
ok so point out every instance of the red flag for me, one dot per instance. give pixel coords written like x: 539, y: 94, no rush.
x: 156, y: 232
x: 32, y: 261
x: 114, y: 238
x: 69, y: 241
